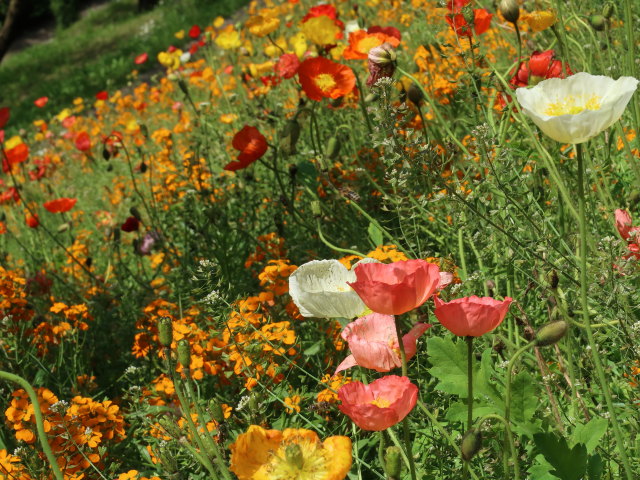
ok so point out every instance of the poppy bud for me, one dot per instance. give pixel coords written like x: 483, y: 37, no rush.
x: 372, y: 97
x: 381, y: 62
x: 289, y: 137
x: 336, y: 102
x: 144, y: 130
x: 510, y: 10
x: 471, y: 444
x: 392, y: 463
x: 165, y: 331
x: 553, y: 279
x: 551, y: 333
x: 184, y: 353
x: 598, y: 22
x: 414, y: 94
x: 64, y: 227
x: 105, y: 153
x: 116, y: 234
x: 607, y: 11
x: 135, y: 213
x: 216, y: 410
x: 183, y: 86
x: 293, y: 455
x: 315, y: 209
x: 333, y: 148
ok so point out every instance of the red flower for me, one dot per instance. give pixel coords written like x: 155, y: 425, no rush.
x: 481, y: 23
x: 388, y: 31
x: 60, y: 205
x: 131, y: 224
x: 252, y: 146
x: 321, y: 78
x: 379, y: 405
x: 395, y: 288
x: 41, y: 102
x: 103, y: 95
x: 471, y: 316
x: 32, y: 221
x: 140, y: 59
x: 5, y: 113
x: 83, y: 142
x: 17, y: 154
x: 287, y: 65
x: 323, y: 9
x: 194, y: 32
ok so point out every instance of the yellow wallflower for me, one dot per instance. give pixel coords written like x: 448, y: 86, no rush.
x: 228, y: 39
x: 261, y: 454
x: 218, y: 22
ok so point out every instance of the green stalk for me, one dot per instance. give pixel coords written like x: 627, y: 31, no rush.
x: 405, y: 421
x: 584, y: 303
x: 42, y: 436
x: 469, y: 340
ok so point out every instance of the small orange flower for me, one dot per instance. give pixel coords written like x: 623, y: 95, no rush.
x: 321, y: 78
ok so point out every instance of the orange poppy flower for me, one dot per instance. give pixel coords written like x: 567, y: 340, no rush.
x: 83, y: 142
x: 361, y: 41
x: 321, y: 78
x: 17, y: 154
x: 60, y: 205
x: 252, y: 146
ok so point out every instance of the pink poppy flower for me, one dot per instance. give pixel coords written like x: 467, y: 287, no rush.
x: 471, y: 316
x: 395, y: 288
x: 373, y: 342
x: 625, y: 226
x: 379, y: 405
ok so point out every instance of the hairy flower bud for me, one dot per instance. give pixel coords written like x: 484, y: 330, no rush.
x: 165, y: 331
x: 414, y: 94
x: 382, y: 63
x: 333, y: 148
x: 598, y: 22
x: 510, y: 10
x: 392, y: 463
x: 607, y: 10
x: 471, y: 444
x: 184, y: 353
x: 551, y: 333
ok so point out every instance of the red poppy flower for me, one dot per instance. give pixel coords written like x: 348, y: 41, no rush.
x: 5, y: 113
x: 395, y: 288
x: 388, y: 31
x: 287, y: 65
x: 83, y: 142
x: 321, y: 78
x: 10, y: 193
x: 471, y: 316
x: 194, y: 32
x: 17, y: 154
x: 252, y: 146
x: 131, y: 224
x: 60, y: 205
x: 379, y: 405
x: 323, y: 9
x: 362, y: 42
x: 32, y: 221
x: 457, y: 5
x: 481, y: 22
x: 41, y: 102
x: 140, y: 59
x: 103, y: 95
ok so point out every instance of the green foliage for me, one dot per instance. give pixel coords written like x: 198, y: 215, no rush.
x: 65, y: 12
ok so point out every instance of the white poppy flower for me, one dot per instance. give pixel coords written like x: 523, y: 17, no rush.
x: 576, y: 108
x: 319, y: 289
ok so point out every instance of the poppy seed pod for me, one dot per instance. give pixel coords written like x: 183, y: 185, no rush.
x: 510, y: 10
x: 551, y: 333
x: 184, y: 353
x: 165, y: 331
x: 392, y: 463
x: 471, y: 444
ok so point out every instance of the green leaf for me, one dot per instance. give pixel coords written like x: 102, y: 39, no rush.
x: 568, y: 464
x: 313, y: 349
x: 375, y: 235
x: 449, y: 362
x: 590, y: 434
x: 541, y: 470
x: 595, y: 467
x: 523, y: 398
x: 457, y: 411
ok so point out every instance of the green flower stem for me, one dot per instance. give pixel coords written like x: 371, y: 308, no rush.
x: 463, y: 260
x: 335, y: 247
x: 363, y: 106
x: 584, y: 302
x: 42, y: 436
x: 405, y: 421
x: 469, y: 340
x: 631, y: 36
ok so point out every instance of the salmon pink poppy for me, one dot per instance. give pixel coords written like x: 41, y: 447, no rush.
x: 5, y: 114
x: 395, y: 288
x: 83, y: 142
x: 321, y: 78
x: 373, y: 342
x: 287, y: 65
x: 252, y: 146
x: 379, y: 405
x: 60, y: 205
x: 471, y: 316
x: 41, y: 102
x: 140, y: 59
x: 624, y: 224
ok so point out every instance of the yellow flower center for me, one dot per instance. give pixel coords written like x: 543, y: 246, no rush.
x: 298, y: 461
x: 325, y: 82
x: 380, y: 402
x: 571, y: 105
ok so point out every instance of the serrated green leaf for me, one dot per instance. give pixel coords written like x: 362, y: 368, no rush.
x: 589, y: 434
x: 541, y: 470
x: 568, y: 463
x: 523, y: 398
x: 457, y: 412
x: 595, y: 467
x: 375, y: 235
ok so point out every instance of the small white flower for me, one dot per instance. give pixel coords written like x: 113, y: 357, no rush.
x: 319, y: 289
x: 576, y: 108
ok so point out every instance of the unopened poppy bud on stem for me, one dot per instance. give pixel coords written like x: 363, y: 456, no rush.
x: 382, y: 63
x: 551, y: 333
x: 510, y: 10
x: 471, y: 444
x: 184, y: 353
x: 165, y: 331
x: 607, y: 11
x: 598, y: 22
x: 392, y: 463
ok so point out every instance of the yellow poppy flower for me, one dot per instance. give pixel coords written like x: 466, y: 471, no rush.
x: 262, y: 26
x: 320, y: 30
x: 228, y: 39
x: 298, y: 454
x: 539, y: 20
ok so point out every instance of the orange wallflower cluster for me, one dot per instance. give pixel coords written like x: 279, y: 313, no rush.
x: 77, y: 429
x: 13, y: 296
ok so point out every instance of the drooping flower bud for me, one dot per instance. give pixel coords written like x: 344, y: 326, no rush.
x: 510, y: 10
x: 289, y: 137
x: 392, y: 463
x: 551, y: 333
x: 414, y: 94
x: 333, y: 148
x: 607, y: 10
x: 471, y: 444
x: 382, y: 63
x: 184, y: 353
x: 165, y: 331
x: 598, y: 22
